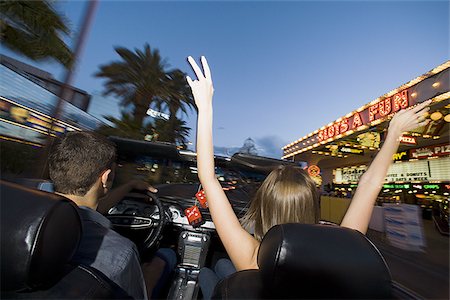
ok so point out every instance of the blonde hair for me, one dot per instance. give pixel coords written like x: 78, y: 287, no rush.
x: 287, y: 195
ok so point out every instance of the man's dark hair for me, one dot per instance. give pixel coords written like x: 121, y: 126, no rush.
x: 77, y: 159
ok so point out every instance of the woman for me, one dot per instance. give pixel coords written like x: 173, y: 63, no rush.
x: 287, y: 194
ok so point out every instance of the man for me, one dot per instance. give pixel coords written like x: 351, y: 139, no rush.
x: 81, y: 167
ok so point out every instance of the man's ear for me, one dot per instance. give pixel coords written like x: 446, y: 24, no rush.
x: 105, y: 177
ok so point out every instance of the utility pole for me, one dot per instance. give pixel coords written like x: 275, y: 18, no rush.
x: 89, y: 12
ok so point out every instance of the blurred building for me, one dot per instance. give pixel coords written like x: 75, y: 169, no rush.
x: 339, y: 152
x: 75, y: 96
x: 28, y: 98
x: 105, y: 106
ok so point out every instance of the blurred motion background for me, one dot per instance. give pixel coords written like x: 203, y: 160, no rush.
x: 282, y: 70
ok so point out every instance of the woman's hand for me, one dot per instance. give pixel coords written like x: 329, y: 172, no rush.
x: 408, y: 119
x: 240, y: 245
x: 202, y: 89
x: 360, y: 210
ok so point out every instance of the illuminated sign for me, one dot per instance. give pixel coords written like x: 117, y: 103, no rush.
x: 433, y: 127
x: 400, y: 156
x: 21, y: 116
x: 317, y: 179
x: 351, y: 150
x: 377, y: 111
x: 388, y: 105
x: 423, y: 170
x: 157, y: 114
x: 396, y: 186
x: 430, y: 151
x: 346, y: 175
x: 408, y: 140
x: 18, y: 114
x: 313, y: 171
x: 369, y: 139
x: 408, y: 171
x: 431, y: 186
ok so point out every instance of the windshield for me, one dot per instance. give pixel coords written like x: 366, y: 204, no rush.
x: 156, y: 171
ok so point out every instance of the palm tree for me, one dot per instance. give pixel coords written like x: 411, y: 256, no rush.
x: 138, y: 79
x: 34, y: 29
x: 125, y: 127
x: 179, y: 98
x: 172, y: 132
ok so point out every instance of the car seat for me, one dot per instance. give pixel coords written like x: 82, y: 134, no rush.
x: 35, y: 183
x: 304, y: 261
x: 40, y: 233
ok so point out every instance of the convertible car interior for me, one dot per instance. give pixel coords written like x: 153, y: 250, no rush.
x: 327, y: 262
x: 40, y: 232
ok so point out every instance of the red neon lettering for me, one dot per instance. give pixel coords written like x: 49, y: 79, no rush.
x: 330, y: 131
x: 344, y: 125
x: 356, y: 121
x: 320, y: 135
x: 408, y: 140
x: 336, y: 128
x: 384, y: 107
x: 372, y: 112
x: 325, y: 134
x: 400, y: 100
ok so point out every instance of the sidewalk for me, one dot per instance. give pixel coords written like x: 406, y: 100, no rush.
x: 426, y: 273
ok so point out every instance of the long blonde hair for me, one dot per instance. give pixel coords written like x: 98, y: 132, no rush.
x: 287, y: 195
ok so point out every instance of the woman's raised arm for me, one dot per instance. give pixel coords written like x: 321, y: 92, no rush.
x: 360, y: 210
x: 240, y: 245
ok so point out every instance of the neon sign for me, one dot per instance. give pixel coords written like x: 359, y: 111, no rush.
x: 351, y: 150
x: 430, y: 151
x: 351, y: 174
x: 386, y: 106
x: 396, y: 186
x: 313, y: 171
x: 431, y: 186
x: 400, y: 156
x: 377, y: 111
x: 410, y: 140
x: 30, y: 119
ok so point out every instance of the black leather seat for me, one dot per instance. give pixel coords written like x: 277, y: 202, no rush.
x: 312, y: 262
x: 40, y: 233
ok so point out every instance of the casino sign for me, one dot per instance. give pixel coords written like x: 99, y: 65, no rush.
x: 372, y: 118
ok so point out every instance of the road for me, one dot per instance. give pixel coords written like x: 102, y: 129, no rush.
x: 425, y: 273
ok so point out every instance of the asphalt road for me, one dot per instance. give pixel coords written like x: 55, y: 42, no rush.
x: 425, y: 273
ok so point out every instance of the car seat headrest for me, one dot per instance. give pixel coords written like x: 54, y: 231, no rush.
x: 322, y: 261
x: 40, y: 233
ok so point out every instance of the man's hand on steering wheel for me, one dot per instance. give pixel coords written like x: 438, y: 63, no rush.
x: 141, y: 185
x: 154, y: 223
x: 115, y: 195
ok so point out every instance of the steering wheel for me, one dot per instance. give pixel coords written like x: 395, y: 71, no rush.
x: 154, y: 223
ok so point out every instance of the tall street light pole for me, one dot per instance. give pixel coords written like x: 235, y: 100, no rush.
x: 89, y: 13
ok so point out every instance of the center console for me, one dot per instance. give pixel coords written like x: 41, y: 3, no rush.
x: 192, y: 247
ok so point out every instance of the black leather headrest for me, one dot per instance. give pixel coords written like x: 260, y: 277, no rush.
x: 321, y: 261
x: 245, y: 284
x: 40, y: 233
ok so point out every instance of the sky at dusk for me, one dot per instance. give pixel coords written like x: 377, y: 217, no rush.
x: 281, y: 69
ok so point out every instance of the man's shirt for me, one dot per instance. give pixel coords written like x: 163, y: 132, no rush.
x: 107, y: 251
